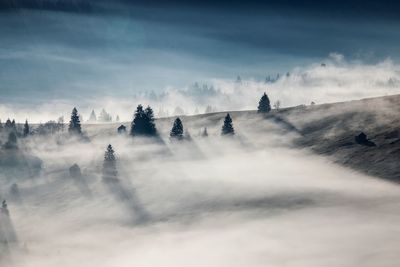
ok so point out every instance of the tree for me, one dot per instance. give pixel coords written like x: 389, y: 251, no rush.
x: 143, y: 122
x: 104, y: 116
x: 109, y: 165
x: 1, y: 126
x: 60, y: 123
x: 227, y: 128
x: 177, y: 129
x: 209, y: 109
x: 204, y: 133
x: 264, y: 105
x: 8, y: 124
x: 75, y: 171
x: 179, y: 111
x: 4, y: 208
x: 277, y: 104
x: 11, y: 142
x: 151, y: 126
x: 75, y: 123
x: 93, y: 117
x: 117, y: 118
x: 26, y: 129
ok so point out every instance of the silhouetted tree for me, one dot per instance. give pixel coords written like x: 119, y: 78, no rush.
x: 121, y: 129
x: 264, y: 105
x: 4, y: 208
x: 227, y: 128
x: 109, y: 165
x: 151, y: 126
x: 143, y: 122
x: 8, y: 125
x: 26, y: 129
x: 204, y: 133
x: 1, y: 126
x: 11, y: 142
x: 75, y: 171
x: 177, y: 129
x: 75, y: 123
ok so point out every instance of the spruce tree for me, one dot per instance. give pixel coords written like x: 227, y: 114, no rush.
x: 143, y: 122
x: 151, y: 126
x: 26, y: 128
x: 93, y: 117
x: 138, y: 123
x: 11, y: 142
x: 8, y: 124
x: 177, y: 129
x: 264, y: 105
x: 1, y: 126
x: 4, y: 208
x: 109, y: 165
x: 227, y: 128
x: 75, y: 123
x: 204, y: 133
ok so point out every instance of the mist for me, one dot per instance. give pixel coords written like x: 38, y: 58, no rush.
x: 250, y: 200
x: 339, y: 79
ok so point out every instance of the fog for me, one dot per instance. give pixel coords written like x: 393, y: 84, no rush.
x: 340, y: 79
x: 249, y: 200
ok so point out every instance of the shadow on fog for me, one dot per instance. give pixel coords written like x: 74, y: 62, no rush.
x: 125, y: 194
x: 260, y: 206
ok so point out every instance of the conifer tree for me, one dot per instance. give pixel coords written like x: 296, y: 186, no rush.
x: 177, y: 129
x: 151, y: 126
x: 4, y: 208
x: 26, y: 129
x: 1, y: 126
x: 143, y: 122
x: 109, y: 165
x: 92, y: 117
x: 204, y: 133
x: 227, y: 128
x: 75, y: 123
x: 8, y: 124
x: 264, y: 105
x: 11, y: 142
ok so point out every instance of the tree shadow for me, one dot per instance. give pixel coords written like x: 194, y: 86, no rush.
x: 8, y: 236
x: 126, y: 194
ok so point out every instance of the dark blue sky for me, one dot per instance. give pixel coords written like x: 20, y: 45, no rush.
x: 74, y: 48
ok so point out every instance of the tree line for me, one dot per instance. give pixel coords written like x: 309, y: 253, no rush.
x: 143, y: 124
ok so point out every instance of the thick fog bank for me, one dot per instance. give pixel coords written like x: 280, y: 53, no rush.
x: 248, y: 200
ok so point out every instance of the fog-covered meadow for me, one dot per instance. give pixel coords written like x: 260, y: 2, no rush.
x: 248, y: 200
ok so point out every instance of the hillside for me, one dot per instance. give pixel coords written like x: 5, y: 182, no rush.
x: 330, y: 129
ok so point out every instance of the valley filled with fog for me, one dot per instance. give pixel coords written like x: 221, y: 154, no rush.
x: 251, y: 199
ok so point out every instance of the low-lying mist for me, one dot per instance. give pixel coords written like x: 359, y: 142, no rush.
x: 247, y: 200
x: 334, y: 79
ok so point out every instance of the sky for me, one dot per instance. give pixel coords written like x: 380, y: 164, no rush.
x: 72, y: 50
